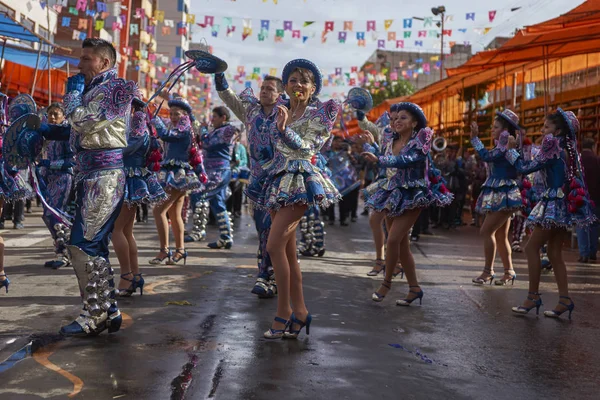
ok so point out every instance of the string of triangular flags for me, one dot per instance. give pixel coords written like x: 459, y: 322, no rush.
x: 354, y: 76
x: 91, y: 15
x: 305, y: 30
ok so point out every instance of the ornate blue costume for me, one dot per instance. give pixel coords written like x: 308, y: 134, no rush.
x: 248, y: 109
x: 553, y: 208
x: 55, y: 177
x: 500, y: 191
x: 175, y: 170
x: 410, y: 186
x: 343, y: 173
x: 98, y: 114
x: 216, y: 147
x: 141, y: 185
x: 14, y: 182
x: 312, y: 228
x: 292, y: 177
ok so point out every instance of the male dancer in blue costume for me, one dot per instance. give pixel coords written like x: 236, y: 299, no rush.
x: 55, y: 174
x: 257, y: 115
x: 217, y: 146
x: 97, y: 106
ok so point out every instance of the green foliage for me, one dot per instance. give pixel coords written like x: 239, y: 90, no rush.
x: 389, y: 90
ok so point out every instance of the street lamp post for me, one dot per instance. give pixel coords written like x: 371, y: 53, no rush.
x: 441, y: 11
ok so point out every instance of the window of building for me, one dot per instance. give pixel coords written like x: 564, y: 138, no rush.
x: 43, y: 32
x: 7, y: 10
x: 27, y: 23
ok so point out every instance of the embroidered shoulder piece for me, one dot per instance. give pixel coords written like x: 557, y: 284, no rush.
x: 139, y: 127
x: 383, y: 121
x: 477, y: 144
x: 118, y: 94
x: 512, y: 155
x: 326, y: 112
x: 248, y: 98
x: 184, y: 124
x: 71, y: 101
x: 502, y: 141
x: 550, y: 148
x: 423, y: 140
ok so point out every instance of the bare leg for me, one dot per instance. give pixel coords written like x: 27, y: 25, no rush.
x: 121, y: 245
x: 176, y: 218
x: 398, y: 230
x: 505, y: 251
x: 296, y: 290
x: 375, y: 220
x: 538, y: 238
x: 283, y: 229
x: 132, y: 245
x: 493, y: 222
x: 560, y: 269
x: 162, y: 224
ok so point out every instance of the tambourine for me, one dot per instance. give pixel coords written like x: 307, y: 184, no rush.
x: 360, y: 99
x: 206, y: 62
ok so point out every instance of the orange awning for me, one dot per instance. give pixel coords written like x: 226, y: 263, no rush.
x: 577, y: 32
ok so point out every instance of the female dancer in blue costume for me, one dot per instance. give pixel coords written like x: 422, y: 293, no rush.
x: 499, y: 199
x: 217, y: 146
x: 556, y: 210
x: 56, y: 183
x: 176, y: 176
x: 291, y: 184
x: 403, y: 195
x: 12, y: 185
x: 141, y: 187
x: 382, y: 132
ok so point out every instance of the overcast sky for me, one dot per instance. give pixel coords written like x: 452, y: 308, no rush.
x: 268, y: 54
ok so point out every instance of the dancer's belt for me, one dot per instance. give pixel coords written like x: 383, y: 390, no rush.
x: 95, y: 160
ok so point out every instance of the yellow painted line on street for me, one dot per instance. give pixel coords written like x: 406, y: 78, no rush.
x: 246, y: 266
x: 149, y: 288
x: 127, y: 321
x: 42, y: 355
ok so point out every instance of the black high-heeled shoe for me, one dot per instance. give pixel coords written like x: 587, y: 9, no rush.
x: 157, y: 260
x: 128, y: 291
x: 182, y: 256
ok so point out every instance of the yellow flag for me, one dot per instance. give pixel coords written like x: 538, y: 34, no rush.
x: 273, y: 72
x: 387, y: 23
x: 486, y: 30
x: 191, y: 19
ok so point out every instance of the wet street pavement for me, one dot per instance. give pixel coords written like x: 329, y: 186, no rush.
x: 462, y: 343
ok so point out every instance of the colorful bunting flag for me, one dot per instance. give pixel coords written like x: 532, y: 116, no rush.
x: 348, y: 26
x: 471, y: 16
x: 492, y: 15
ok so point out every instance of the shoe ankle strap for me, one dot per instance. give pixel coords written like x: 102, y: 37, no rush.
x: 124, y: 275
